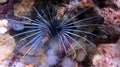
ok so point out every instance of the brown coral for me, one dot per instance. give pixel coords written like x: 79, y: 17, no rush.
x: 21, y: 9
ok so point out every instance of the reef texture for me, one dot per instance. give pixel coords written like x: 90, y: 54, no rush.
x: 106, y: 54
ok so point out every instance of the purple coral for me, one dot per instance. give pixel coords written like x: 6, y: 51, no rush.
x: 7, y: 6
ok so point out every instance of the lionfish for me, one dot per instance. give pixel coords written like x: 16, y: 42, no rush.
x: 46, y: 28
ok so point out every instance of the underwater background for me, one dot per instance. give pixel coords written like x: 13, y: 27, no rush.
x: 59, y: 33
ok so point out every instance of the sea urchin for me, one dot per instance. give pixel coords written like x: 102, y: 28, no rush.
x: 46, y: 28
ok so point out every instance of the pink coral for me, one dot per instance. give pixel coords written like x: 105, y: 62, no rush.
x: 109, y: 56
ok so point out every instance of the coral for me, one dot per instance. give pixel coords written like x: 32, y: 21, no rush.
x: 6, y: 48
x: 107, y: 56
x: 117, y: 2
x: 34, y: 60
x: 6, y: 7
x: 2, y: 30
x: 5, y: 63
x: 109, y: 31
x: 109, y: 12
x: 73, y: 4
x: 17, y: 64
x: 29, y: 60
x: 76, y: 3
x: 3, y: 1
x: 78, y: 55
x: 21, y: 9
x: 44, y: 65
x: 52, y: 58
x: 67, y: 62
x: 110, y: 15
x: 29, y: 66
x: 51, y: 52
x: 3, y: 26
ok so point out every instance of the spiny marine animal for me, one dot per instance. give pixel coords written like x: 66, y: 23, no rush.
x: 46, y: 28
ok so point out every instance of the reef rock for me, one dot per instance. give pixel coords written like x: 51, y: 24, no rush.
x: 3, y: 1
x: 108, y: 55
x: 7, y: 44
x: 21, y: 9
